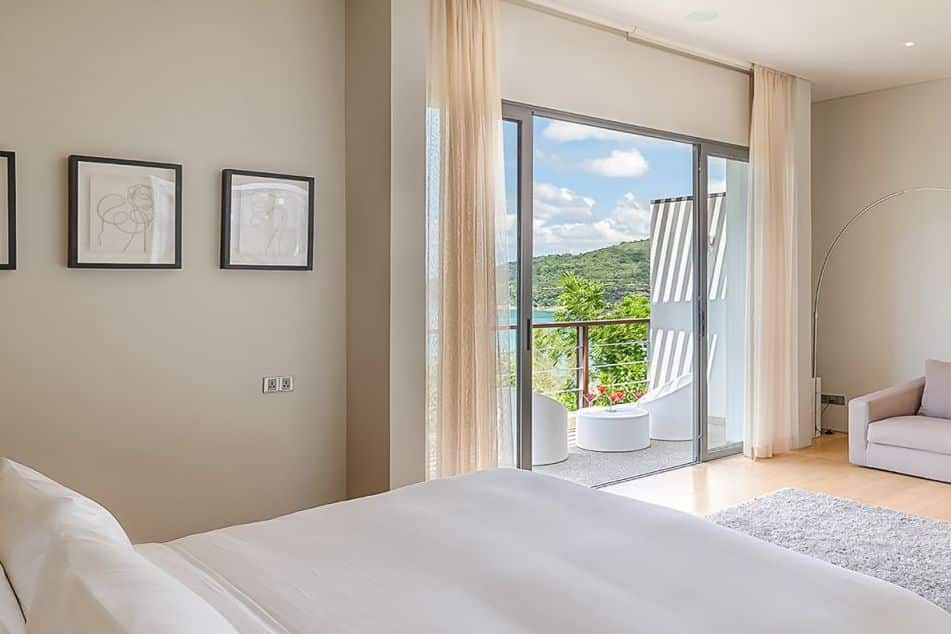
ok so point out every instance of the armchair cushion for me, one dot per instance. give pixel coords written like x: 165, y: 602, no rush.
x: 936, y: 400
x: 913, y: 432
x: 898, y: 400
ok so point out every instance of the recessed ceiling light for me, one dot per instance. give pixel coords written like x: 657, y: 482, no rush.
x: 910, y: 44
x: 702, y: 16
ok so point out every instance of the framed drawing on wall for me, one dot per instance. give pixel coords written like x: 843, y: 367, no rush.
x: 267, y: 221
x: 8, y: 210
x: 124, y: 214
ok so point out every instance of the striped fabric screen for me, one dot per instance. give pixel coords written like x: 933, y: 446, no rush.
x: 672, y: 291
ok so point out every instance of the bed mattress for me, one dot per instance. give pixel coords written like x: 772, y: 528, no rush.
x: 509, y: 551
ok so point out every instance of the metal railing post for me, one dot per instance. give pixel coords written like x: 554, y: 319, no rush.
x: 585, y: 364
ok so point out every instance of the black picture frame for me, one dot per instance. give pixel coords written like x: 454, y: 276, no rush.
x: 225, y: 253
x: 11, y: 263
x: 73, y: 233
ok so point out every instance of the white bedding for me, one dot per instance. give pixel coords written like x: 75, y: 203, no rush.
x: 11, y: 618
x: 509, y: 551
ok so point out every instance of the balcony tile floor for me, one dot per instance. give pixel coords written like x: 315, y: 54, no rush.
x: 593, y: 468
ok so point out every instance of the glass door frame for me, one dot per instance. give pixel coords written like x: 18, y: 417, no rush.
x: 707, y: 150
x: 524, y: 115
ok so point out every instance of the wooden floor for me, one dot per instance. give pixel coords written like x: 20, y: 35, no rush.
x: 824, y: 467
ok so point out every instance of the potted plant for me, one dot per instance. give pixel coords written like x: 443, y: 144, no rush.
x: 604, y: 396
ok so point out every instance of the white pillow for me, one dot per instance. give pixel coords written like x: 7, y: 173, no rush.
x: 936, y: 400
x: 94, y: 585
x: 11, y: 619
x: 35, y: 512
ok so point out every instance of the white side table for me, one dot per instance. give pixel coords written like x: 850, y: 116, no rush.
x: 625, y: 428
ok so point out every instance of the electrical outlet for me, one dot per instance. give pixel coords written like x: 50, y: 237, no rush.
x: 286, y: 384
x: 271, y: 384
x: 833, y: 399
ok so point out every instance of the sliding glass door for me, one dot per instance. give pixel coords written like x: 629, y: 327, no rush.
x: 517, y: 369
x: 724, y: 263
x: 605, y: 269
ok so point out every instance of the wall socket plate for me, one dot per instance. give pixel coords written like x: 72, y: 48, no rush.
x: 833, y: 399
x: 271, y: 384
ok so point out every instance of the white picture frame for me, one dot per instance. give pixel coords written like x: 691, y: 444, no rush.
x: 8, y: 213
x: 124, y: 213
x: 267, y: 221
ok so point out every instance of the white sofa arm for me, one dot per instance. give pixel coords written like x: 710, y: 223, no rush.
x: 898, y: 400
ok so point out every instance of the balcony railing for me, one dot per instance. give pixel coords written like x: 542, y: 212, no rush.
x: 586, y: 369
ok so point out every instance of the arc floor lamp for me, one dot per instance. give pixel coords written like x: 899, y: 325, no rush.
x: 817, y: 381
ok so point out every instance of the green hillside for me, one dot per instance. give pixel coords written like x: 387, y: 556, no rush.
x: 623, y: 268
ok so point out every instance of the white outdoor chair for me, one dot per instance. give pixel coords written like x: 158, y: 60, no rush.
x: 671, y: 409
x: 549, y: 431
x: 549, y: 428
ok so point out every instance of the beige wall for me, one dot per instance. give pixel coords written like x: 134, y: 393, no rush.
x: 885, y: 306
x: 142, y: 388
x: 802, y: 179
x: 368, y: 246
x: 556, y: 63
x: 408, y: 244
x: 386, y: 242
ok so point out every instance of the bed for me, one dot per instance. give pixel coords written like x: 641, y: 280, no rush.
x: 11, y: 618
x: 511, y: 551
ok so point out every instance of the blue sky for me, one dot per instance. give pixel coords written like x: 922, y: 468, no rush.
x: 593, y: 186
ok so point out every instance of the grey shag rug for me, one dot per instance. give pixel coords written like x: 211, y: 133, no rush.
x: 910, y: 551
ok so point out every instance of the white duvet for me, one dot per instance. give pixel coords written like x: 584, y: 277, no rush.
x: 509, y: 551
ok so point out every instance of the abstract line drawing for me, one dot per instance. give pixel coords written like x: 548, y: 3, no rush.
x: 267, y: 221
x: 272, y: 220
x: 124, y: 213
x: 132, y: 214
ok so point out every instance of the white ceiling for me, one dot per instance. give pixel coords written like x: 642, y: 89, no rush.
x: 844, y: 47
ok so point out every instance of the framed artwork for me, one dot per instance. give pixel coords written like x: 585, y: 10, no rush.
x: 267, y: 221
x: 8, y: 210
x: 124, y: 214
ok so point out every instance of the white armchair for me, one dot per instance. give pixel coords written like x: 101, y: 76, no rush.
x: 886, y: 432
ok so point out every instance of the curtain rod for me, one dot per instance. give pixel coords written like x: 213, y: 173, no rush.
x: 634, y: 36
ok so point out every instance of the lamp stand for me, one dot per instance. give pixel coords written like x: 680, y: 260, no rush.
x: 817, y: 381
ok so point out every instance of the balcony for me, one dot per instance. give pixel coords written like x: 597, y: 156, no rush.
x: 573, y: 358
x: 586, y: 371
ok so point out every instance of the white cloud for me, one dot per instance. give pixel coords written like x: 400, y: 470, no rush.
x: 628, y: 221
x: 620, y: 164
x: 566, y: 132
x: 716, y: 186
x: 563, y: 234
x: 561, y: 204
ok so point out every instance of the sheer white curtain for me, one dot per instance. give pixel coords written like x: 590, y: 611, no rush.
x: 772, y: 401
x: 468, y: 423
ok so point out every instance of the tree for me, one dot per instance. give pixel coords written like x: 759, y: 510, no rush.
x: 618, y: 354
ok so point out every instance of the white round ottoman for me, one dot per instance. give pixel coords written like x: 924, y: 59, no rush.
x: 625, y: 428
